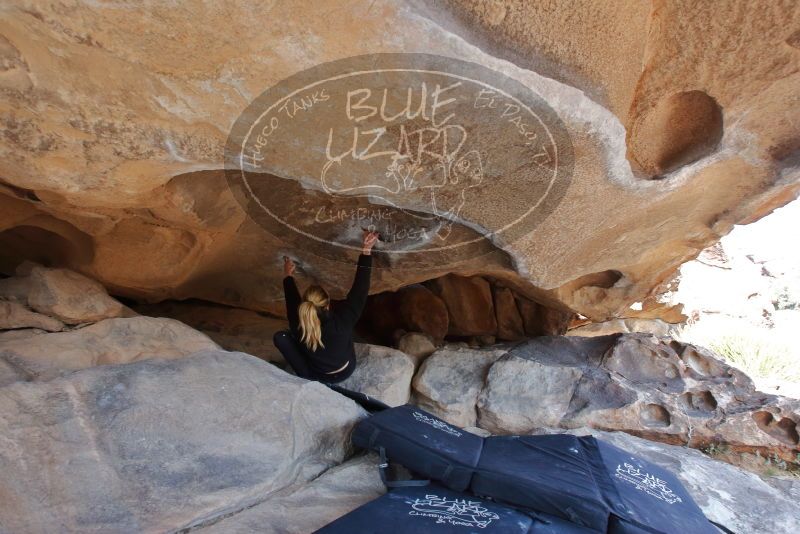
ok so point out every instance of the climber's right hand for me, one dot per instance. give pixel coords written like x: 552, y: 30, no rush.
x: 288, y: 266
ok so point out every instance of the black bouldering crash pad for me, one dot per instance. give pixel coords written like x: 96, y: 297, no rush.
x: 582, y: 480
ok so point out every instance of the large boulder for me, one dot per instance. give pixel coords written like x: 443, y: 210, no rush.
x: 521, y: 396
x: 162, y: 445
x: 62, y: 294
x: 383, y: 373
x: 449, y: 381
x: 422, y: 311
x: 416, y: 345
x: 112, y: 341
x: 648, y: 386
x: 116, y: 134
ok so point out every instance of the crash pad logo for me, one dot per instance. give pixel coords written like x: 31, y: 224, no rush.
x: 437, y: 154
x: 457, y: 512
x: 436, y: 423
x: 647, y: 483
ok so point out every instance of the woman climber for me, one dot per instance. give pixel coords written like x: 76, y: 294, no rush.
x: 319, y: 342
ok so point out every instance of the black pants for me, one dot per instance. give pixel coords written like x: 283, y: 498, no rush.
x: 296, y: 358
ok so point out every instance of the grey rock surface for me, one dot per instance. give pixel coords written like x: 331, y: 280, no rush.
x: 111, y: 341
x: 313, y: 505
x: 233, y: 329
x: 14, y: 315
x: 416, y: 345
x: 157, y: 446
x: 649, y: 386
x: 449, y: 381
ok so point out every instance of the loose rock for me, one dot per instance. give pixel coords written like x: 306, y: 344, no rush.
x: 383, y: 373
x: 416, y: 345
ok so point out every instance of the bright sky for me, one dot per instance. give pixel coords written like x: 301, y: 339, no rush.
x: 774, y: 238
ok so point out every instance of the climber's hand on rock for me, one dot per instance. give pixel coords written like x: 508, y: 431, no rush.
x: 370, y: 238
x: 288, y: 266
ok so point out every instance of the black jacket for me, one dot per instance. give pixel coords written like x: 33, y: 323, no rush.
x: 337, y: 323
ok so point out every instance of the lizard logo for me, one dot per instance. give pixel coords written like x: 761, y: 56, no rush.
x: 437, y: 154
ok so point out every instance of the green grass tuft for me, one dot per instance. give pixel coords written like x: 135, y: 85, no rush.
x: 759, y: 352
x: 757, y: 356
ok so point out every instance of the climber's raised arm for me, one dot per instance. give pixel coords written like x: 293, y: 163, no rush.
x: 357, y: 296
x: 291, y: 294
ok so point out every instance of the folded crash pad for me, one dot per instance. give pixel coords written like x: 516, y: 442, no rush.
x: 551, y: 474
x: 371, y: 404
x: 422, y: 443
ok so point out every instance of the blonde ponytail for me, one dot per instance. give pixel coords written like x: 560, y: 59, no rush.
x: 314, y: 299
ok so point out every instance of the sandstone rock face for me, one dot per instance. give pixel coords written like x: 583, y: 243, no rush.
x: 474, y: 309
x: 319, y: 502
x: 540, y: 320
x: 383, y: 373
x: 413, y: 309
x: 422, y: 311
x: 647, y: 386
x: 163, y: 445
x: 656, y: 327
x: 10, y: 373
x: 115, y: 134
x: 21, y: 333
x: 111, y: 341
x: 510, y: 325
x: 728, y: 495
x: 469, y: 304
